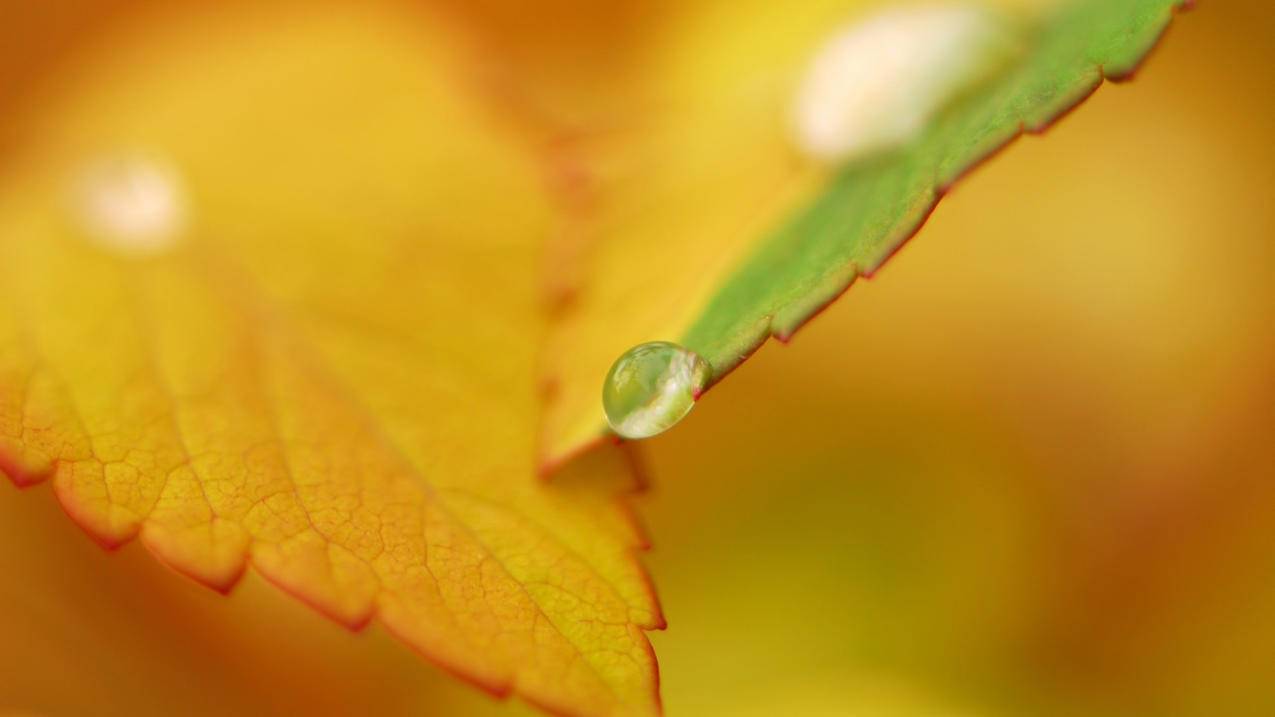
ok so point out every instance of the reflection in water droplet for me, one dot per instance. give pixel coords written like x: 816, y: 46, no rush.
x: 652, y: 387
x: 131, y: 205
x: 875, y: 83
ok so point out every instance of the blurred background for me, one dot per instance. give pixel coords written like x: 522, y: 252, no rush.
x: 1028, y: 469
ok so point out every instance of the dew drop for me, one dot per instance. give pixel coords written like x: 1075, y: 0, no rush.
x: 131, y: 205
x: 651, y: 387
x: 875, y: 83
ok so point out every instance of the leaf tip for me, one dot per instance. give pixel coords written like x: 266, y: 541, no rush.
x: 20, y: 473
x: 220, y: 575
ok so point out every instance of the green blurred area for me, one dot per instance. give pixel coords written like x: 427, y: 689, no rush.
x: 1028, y: 469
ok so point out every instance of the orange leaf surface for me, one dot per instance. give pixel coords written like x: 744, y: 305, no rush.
x: 116, y: 634
x: 258, y: 309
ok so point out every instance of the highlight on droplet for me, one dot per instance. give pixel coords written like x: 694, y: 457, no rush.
x: 130, y: 204
x: 651, y: 387
x: 874, y: 84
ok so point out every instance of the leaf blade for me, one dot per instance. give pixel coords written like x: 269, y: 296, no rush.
x: 281, y: 388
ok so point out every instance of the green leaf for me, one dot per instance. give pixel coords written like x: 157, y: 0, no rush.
x: 871, y: 209
x: 810, y: 250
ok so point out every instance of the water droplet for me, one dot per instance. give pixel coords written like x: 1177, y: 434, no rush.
x: 131, y: 204
x: 651, y: 387
x: 874, y: 84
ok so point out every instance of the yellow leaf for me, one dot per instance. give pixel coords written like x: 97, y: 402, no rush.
x: 269, y: 297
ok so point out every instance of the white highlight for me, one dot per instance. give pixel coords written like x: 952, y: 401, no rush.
x: 132, y: 205
x: 874, y: 84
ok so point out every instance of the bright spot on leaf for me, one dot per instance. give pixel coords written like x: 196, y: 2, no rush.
x: 131, y: 204
x: 875, y: 83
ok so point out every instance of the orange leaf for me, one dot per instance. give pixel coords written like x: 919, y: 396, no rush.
x: 258, y: 309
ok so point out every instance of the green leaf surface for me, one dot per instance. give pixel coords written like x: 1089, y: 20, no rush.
x: 871, y: 208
